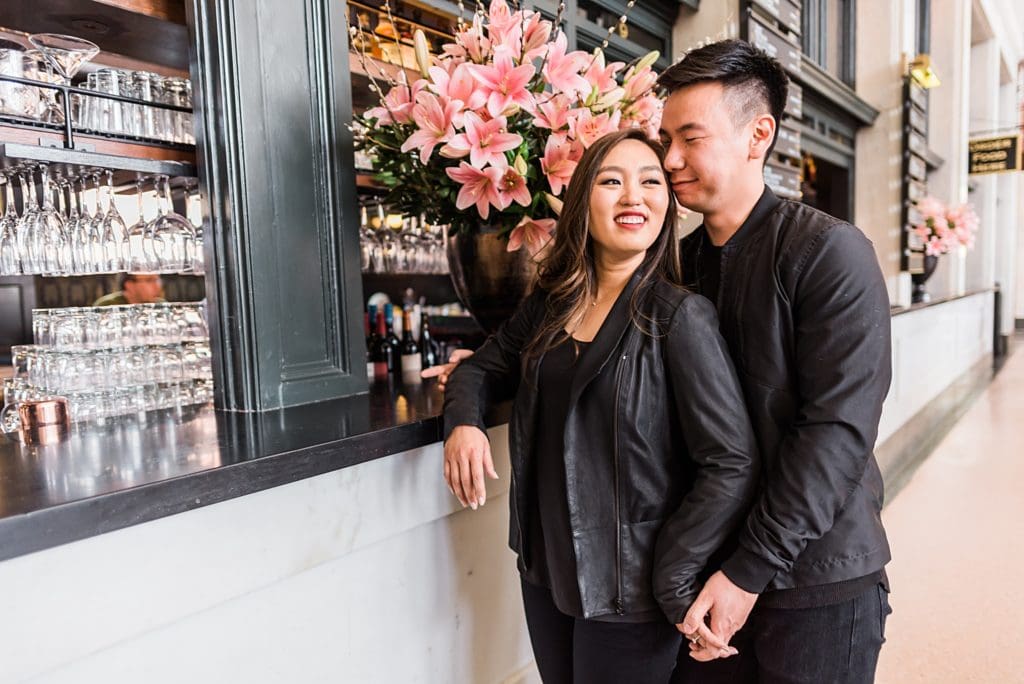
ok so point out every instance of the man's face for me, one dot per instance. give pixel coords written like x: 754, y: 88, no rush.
x: 143, y: 289
x: 707, y: 152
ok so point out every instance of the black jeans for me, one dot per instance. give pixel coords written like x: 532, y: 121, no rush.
x: 836, y: 644
x: 571, y: 650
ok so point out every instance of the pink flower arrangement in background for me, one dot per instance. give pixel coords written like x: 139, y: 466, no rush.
x: 498, y: 122
x: 942, y: 228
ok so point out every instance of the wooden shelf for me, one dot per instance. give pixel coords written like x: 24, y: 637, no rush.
x: 72, y: 163
x: 52, y: 137
x: 147, y: 31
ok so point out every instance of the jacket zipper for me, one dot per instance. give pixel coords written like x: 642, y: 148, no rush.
x: 619, y: 608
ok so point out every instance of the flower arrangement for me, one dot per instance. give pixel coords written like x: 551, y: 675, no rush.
x: 942, y: 227
x: 494, y: 128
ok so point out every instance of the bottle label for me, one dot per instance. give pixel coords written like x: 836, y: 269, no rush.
x: 411, y: 364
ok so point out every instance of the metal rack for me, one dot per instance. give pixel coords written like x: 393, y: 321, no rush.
x: 71, y: 163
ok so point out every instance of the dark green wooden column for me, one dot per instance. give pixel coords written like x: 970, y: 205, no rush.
x: 273, y: 102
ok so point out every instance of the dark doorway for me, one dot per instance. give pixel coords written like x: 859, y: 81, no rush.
x: 826, y: 186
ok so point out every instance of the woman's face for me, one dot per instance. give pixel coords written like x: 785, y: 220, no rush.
x: 628, y: 201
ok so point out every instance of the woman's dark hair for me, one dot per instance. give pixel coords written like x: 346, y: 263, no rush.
x: 753, y: 80
x: 568, y: 273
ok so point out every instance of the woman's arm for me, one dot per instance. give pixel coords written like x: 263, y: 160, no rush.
x: 493, y: 369
x: 714, y: 423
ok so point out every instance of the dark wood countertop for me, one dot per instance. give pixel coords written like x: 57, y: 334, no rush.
x: 133, y: 470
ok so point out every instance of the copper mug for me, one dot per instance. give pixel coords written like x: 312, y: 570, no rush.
x: 41, y: 421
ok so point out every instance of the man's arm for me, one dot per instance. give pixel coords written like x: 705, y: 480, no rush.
x: 843, y: 368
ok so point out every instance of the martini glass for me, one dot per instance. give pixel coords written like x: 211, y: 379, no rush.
x: 66, y: 54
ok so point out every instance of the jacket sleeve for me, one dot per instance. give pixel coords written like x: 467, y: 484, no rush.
x: 493, y: 370
x: 843, y: 368
x: 718, y: 435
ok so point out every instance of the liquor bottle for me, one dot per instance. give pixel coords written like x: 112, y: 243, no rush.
x: 369, y: 344
x: 383, y: 352
x: 428, y: 348
x: 396, y: 344
x: 411, y: 362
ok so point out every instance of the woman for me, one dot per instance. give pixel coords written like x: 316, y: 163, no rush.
x: 629, y: 439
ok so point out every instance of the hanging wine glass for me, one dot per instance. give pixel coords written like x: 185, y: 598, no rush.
x: 115, y: 233
x: 141, y: 251
x: 50, y: 227
x: 28, y: 247
x: 10, y: 259
x: 78, y: 239
x: 93, y: 226
x: 173, y: 235
x: 65, y: 54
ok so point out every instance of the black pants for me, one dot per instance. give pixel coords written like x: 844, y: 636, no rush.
x: 836, y: 644
x: 575, y: 651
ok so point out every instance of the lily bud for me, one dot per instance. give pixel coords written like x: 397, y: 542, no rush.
x: 611, y: 98
x: 647, y: 60
x: 554, y: 203
x: 419, y: 41
x: 520, y: 165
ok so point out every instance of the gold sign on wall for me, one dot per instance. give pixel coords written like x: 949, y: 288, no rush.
x: 994, y: 155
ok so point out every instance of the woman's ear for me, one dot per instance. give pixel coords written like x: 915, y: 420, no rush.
x: 761, y: 135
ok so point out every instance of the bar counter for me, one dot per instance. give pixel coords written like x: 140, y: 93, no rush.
x: 134, y: 470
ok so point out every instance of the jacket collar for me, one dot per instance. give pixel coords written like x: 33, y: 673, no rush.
x: 758, y: 215
x: 607, y: 341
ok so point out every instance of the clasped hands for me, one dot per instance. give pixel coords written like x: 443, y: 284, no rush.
x: 716, y: 615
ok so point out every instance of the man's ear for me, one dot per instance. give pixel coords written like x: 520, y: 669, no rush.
x: 762, y: 132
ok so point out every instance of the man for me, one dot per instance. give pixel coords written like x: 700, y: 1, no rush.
x: 803, y: 307
x: 136, y: 288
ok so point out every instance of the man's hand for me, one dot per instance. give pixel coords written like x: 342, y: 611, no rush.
x: 467, y: 455
x: 728, y: 607
x: 444, y: 371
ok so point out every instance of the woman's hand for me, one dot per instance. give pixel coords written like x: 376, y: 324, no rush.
x: 444, y: 371
x: 467, y: 456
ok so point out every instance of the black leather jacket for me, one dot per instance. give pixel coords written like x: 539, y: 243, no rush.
x: 803, y: 307
x: 661, y: 463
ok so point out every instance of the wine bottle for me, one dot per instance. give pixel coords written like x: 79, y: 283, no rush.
x: 396, y: 344
x: 428, y: 348
x: 383, y: 352
x: 411, y: 362
x: 369, y: 344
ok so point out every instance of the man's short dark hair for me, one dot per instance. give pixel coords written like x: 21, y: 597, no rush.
x: 752, y: 79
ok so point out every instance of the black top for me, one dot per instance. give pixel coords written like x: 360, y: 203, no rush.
x: 709, y: 267
x: 552, y: 560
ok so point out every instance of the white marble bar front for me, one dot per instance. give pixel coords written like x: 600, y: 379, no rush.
x: 371, y: 573
x: 933, y: 347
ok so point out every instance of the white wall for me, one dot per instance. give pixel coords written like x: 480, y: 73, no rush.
x: 368, y: 574
x: 931, y: 348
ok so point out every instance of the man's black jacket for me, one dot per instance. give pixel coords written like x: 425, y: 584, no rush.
x: 804, y: 310
x: 661, y: 463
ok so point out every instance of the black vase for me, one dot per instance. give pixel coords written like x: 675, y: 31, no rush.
x: 489, y: 280
x: 918, y: 294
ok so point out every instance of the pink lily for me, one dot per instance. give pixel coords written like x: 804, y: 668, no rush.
x: 459, y: 84
x: 484, y: 141
x: 512, y: 188
x: 505, y: 83
x: 503, y: 25
x: 535, y: 36
x: 434, y: 118
x: 398, y: 103
x: 535, y: 234
x: 562, y: 70
x: 601, y: 77
x: 479, y: 187
x: 639, y: 83
x: 553, y: 114
x: 587, y: 128
x: 471, y: 44
x: 559, y: 161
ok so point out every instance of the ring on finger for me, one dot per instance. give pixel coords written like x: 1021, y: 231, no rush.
x: 694, y: 638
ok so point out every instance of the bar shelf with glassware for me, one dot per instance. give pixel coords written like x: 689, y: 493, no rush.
x: 72, y: 163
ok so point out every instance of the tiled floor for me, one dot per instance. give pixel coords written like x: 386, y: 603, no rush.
x: 957, y: 534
